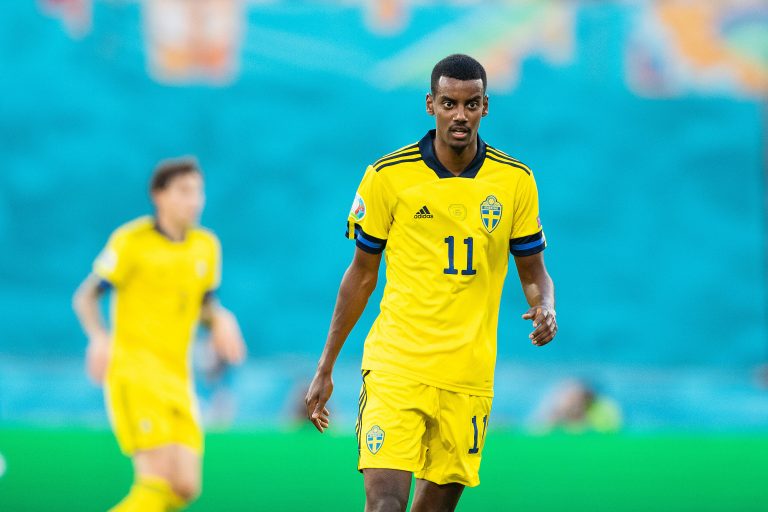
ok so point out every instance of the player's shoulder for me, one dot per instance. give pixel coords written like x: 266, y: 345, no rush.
x: 398, y: 159
x: 205, y: 235
x: 503, y: 160
x: 133, y: 229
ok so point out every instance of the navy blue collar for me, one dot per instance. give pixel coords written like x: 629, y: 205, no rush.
x: 165, y: 235
x: 427, y: 148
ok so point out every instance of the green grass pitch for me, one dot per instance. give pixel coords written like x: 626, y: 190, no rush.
x: 81, y: 470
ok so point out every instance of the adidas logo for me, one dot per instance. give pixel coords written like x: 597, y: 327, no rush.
x: 424, y: 213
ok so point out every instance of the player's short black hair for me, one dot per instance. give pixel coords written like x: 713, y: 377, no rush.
x: 169, y: 169
x: 460, y: 67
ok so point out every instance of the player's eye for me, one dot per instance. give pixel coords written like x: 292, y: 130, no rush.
x: 448, y: 104
x: 473, y: 105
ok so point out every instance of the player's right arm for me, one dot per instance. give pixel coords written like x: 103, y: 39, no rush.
x: 111, y: 269
x: 86, y: 305
x: 357, y: 285
x: 368, y: 223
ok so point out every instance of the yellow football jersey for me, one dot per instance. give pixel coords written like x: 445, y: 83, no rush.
x: 159, y: 287
x: 447, y: 240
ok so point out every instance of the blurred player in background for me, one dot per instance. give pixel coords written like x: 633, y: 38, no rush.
x: 449, y: 209
x: 577, y: 407
x: 163, y: 271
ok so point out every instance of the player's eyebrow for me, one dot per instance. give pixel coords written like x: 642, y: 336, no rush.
x: 477, y: 97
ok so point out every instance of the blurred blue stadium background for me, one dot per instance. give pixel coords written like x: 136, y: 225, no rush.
x: 651, y: 170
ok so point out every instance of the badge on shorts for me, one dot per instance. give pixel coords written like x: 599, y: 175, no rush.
x: 374, y: 439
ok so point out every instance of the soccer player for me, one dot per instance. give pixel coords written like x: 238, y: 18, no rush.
x: 448, y: 209
x: 163, y: 271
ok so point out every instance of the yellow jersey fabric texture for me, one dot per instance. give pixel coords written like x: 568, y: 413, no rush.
x: 159, y: 287
x: 447, y: 240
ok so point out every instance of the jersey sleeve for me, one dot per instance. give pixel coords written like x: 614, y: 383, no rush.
x: 527, y: 237
x: 371, y: 214
x: 114, y: 262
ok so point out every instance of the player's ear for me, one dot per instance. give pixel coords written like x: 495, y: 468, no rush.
x: 430, y: 105
x: 485, y: 106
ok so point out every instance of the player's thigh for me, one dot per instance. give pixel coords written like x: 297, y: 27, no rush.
x: 157, y: 462
x: 392, y: 421
x: 456, y: 439
x: 386, y: 490
x: 178, y: 465
x: 186, y: 478
x: 431, y: 497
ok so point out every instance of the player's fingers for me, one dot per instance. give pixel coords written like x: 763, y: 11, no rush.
x: 237, y: 353
x: 540, y: 328
x: 326, y: 412
x: 321, y: 421
x: 543, y: 341
x: 311, y: 402
x: 318, y: 425
x: 318, y: 409
x: 545, y: 336
x: 541, y: 316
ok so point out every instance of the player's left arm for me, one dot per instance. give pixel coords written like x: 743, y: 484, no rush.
x: 540, y: 294
x: 226, y: 337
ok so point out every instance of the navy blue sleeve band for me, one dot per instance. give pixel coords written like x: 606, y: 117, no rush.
x: 209, y: 295
x: 366, y: 242
x: 104, y: 285
x: 528, y: 245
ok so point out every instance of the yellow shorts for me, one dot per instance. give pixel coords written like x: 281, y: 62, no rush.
x: 145, y: 417
x: 436, y: 434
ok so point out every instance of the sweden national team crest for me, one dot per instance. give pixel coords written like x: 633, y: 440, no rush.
x: 374, y: 439
x: 490, y: 213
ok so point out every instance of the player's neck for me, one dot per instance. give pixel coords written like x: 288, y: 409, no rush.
x: 453, y: 161
x: 170, y: 230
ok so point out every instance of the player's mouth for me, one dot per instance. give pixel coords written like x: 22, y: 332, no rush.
x: 459, y: 132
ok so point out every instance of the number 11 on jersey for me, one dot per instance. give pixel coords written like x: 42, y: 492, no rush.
x: 469, y: 271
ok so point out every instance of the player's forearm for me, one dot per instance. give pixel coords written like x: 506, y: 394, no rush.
x: 210, y: 311
x: 540, y: 291
x: 354, y: 292
x: 534, y: 278
x: 86, y: 305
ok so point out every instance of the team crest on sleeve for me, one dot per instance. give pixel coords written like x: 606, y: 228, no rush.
x: 490, y: 213
x: 374, y: 439
x: 107, y: 260
x: 358, y: 208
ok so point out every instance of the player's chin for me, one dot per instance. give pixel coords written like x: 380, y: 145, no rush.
x: 459, y: 145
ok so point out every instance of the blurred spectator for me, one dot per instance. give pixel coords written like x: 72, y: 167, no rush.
x: 576, y: 407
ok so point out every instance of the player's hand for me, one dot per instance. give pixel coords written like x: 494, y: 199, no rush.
x: 97, y: 356
x: 544, y: 324
x: 226, y: 338
x: 318, y: 394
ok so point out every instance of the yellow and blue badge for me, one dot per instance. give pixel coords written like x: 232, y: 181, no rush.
x: 490, y: 213
x: 374, y: 439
